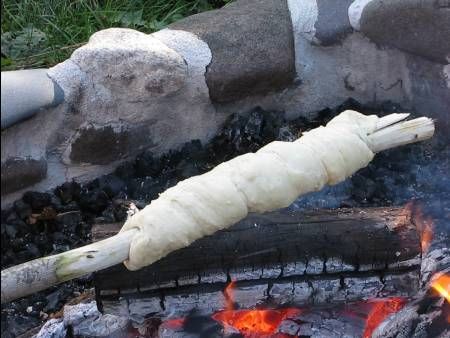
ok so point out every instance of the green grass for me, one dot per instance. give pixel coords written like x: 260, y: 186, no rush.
x: 41, y: 33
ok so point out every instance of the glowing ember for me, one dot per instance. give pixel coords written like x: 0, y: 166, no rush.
x: 424, y: 224
x: 175, y: 323
x: 441, y: 283
x: 251, y: 322
x: 380, y: 311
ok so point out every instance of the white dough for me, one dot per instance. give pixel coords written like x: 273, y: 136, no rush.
x: 269, y: 179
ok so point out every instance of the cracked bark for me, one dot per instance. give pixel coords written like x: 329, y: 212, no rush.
x: 284, y: 257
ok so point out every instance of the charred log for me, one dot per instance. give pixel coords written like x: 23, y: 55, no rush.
x: 285, y: 257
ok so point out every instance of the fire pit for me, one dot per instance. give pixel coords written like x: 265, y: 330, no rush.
x: 278, y: 270
x: 368, y: 257
x: 302, y: 273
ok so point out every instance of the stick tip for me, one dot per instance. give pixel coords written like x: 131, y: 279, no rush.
x: 391, y: 119
x: 401, y: 133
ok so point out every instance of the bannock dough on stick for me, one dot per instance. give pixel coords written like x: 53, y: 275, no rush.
x: 269, y: 179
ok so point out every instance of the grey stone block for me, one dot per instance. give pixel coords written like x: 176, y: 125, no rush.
x: 421, y: 27
x: 332, y: 23
x: 252, y: 47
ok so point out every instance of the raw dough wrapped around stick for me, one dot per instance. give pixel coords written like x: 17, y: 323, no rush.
x: 269, y: 179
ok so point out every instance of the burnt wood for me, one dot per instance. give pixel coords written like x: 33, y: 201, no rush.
x: 363, y: 252
x: 423, y: 317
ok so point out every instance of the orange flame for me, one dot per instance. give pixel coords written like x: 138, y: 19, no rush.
x: 441, y: 283
x: 380, y: 311
x: 424, y: 224
x: 229, y: 296
x: 251, y: 323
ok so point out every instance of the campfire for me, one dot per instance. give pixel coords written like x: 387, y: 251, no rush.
x: 277, y: 322
x: 361, y: 318
x: 198, y: 182
x: 274, y: 314
x: 269, y: 322
x: 359, y: 271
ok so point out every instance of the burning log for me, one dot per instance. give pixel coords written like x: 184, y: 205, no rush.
x: 426, y: 316
x: 279, y: 258
x: 423, y: 316
x: 358, y: 136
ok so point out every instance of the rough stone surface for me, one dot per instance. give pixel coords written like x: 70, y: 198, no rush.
x: 430, y: 92
x: 332, y: 23
x: 231, y: 48
x: 124, y: 64
x: 446, y: 74
x: 354, y: 68
x: 23, y: 151
x: 197, y: 55
x: 355, y: 11
x: 420, y: 27
x: 304, y: 16
x: 136, y: 93
x: 90, y: 142
x: 44, y: 132
x: 20, y: 173
x: 140, y: 119
x: 246, y: 38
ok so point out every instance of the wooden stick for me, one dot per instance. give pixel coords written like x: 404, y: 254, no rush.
x: 39, y: 274
x: 398, y: 134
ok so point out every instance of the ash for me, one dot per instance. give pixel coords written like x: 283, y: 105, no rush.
x: 42, y: 224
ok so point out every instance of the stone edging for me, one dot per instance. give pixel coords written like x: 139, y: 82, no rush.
x: 125, y: 91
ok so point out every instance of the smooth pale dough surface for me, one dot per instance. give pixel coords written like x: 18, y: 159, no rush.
x: 269, y: 179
